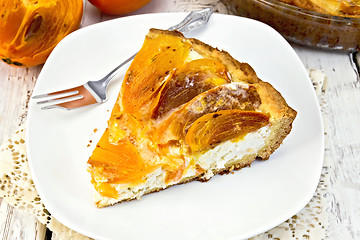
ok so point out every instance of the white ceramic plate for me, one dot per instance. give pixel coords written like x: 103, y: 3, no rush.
x: 233, y: 206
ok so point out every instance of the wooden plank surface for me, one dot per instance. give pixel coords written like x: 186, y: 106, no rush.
x: 19, y: 225
x: 16, y: 85
x: 343, y: 98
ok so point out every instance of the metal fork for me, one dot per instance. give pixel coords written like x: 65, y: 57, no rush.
x: 95, y: 91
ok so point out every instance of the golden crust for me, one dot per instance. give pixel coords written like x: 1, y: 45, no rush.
x: 240, y: 71
x: 271, y: 99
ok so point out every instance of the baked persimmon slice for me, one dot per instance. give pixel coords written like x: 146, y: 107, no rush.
x: 118, y: 163
x: 158, y: 57
x: 224, y: 97
x: 214, y: 128
x: 187, y: 82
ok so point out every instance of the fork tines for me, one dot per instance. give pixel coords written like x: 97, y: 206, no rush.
x: 67, y: 99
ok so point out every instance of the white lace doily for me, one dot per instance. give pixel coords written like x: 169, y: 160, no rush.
x: 17, y: 188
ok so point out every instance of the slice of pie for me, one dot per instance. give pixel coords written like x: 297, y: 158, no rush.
x: 185, y: 111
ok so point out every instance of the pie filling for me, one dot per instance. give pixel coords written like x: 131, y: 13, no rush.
x: 344, y: 8
x: 176, y: 110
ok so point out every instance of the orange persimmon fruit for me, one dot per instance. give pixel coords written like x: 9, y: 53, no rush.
x: 115, y: 7
x: 213, y: 128
x: 30, y: 29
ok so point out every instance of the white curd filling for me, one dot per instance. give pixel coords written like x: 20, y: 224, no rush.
x: 216, y: 158
x: 211, y: 161
x: 193, y: 55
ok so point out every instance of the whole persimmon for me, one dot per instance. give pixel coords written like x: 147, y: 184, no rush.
x: 115, y: 7
x: 30, y: 29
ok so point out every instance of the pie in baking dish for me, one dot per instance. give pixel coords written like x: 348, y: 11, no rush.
x: 345, y: 8
x: 186, y: 111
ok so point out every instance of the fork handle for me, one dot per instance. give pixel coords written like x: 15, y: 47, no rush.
x: 112, y: 74
x: 194, y: 20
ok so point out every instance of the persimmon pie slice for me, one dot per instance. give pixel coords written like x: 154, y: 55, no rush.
x: 185, y: 111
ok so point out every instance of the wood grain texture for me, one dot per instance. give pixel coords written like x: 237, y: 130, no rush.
x: 343, y: 97
x: 18, y: 225
x: 16, y: 85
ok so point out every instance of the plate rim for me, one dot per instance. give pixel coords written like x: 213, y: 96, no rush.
x: 77, y: 227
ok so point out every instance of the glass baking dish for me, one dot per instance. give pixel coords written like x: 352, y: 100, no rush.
x: 302, y: 26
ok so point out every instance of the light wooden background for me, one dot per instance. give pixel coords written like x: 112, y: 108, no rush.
x: 343, y: 117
